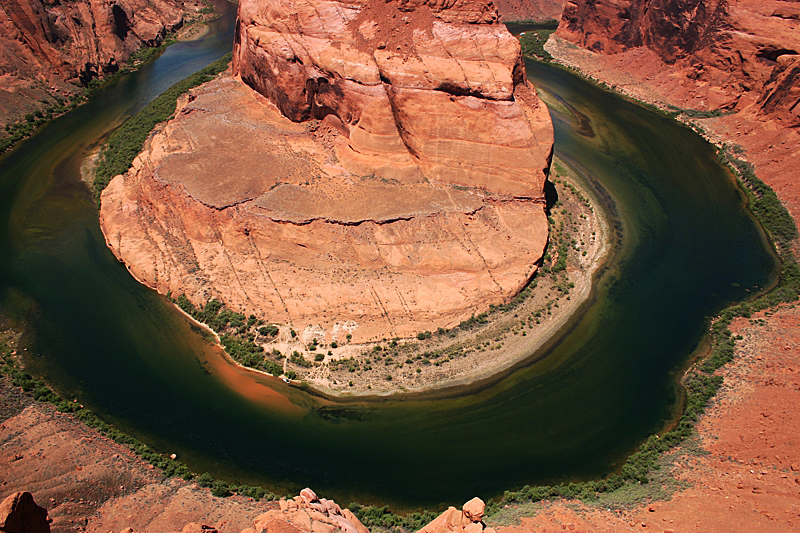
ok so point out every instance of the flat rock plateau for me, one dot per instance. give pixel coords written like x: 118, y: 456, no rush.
x: 370, y: 168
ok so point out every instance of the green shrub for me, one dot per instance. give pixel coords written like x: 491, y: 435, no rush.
x: 532, y: 44
x: 299, y: 360
x: 220, y: 489
x: 270, y: 330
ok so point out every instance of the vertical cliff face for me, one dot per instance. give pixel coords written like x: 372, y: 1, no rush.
x: 45, y: 43
x: 511, y: 10
x: 380, y: 171
x: 739, y: 53
x: 422, y: 90
x: 79, y: 40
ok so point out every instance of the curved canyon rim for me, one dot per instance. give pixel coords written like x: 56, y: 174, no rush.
x: 606, y: 385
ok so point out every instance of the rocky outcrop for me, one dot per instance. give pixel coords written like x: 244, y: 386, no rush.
x: 46, y: 45
x: 307, y: 513
x: 420, y: 91
x: 20, y: 514
x: 385, y: 177
x: 739, y: 55
x: 468, y: 520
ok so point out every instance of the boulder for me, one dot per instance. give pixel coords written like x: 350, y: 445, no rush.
x: 474, y: 527
x: 467, y: 520
x: 309, y: 514
x: 473, y: 509
x: 308, y: 495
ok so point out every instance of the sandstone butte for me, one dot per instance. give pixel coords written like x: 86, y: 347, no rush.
x: 732, y: 55
x: 373, y: 168
x: 49, y: 47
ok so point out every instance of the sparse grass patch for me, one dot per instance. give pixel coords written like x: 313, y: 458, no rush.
x: 511, y: 515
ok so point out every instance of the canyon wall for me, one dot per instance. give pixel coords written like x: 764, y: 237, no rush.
x: 380, y: 172
x: 419, y: 90
x: 738, y: 55
x: 511, y: 10
x: 47, y: 47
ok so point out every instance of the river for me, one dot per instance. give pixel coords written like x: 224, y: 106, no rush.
x: 688, y: 248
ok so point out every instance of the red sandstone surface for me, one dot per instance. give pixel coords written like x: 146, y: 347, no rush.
x: 90, y: 483
x: 48, y: 47
x: 740, y: 55
x: 514, y: 10
x: 749, y: 479
x: 741, y: 58
x: 385, y: 177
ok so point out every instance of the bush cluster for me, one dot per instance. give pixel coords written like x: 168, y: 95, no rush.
x: 532, y: 43
x: 235, y: 334
x: 24, y: 127
x: 381, y: 517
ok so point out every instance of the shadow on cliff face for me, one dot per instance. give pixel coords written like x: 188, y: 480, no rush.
x: 121, y: 23
x: 550, y: 196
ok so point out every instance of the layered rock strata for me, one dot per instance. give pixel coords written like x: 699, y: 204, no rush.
x: 738, y: 55
x: 420, y: 91
x: 540, y: 10
x: 385, y: 176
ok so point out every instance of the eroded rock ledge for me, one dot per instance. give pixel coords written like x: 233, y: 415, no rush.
x: 385, y: 176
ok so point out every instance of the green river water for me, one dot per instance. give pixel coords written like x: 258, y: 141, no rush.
x: 688, y: 248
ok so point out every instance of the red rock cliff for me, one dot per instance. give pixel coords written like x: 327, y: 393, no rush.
x: 729, y: 54
x: 385, y: 176
x: 44, y: 43
x: 511, y: 10
x: 434, y: 89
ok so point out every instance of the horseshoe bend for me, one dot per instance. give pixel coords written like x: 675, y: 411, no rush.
x: 366, y: 168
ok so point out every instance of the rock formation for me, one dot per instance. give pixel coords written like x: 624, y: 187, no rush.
x: 47, y: 44
x: 385, y: 176
x: 741, y: 55
x: 418, y: 90
x: 468, y: 520
x: 20, y: 514
x: 511, y: 10
x: 308, y: 514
